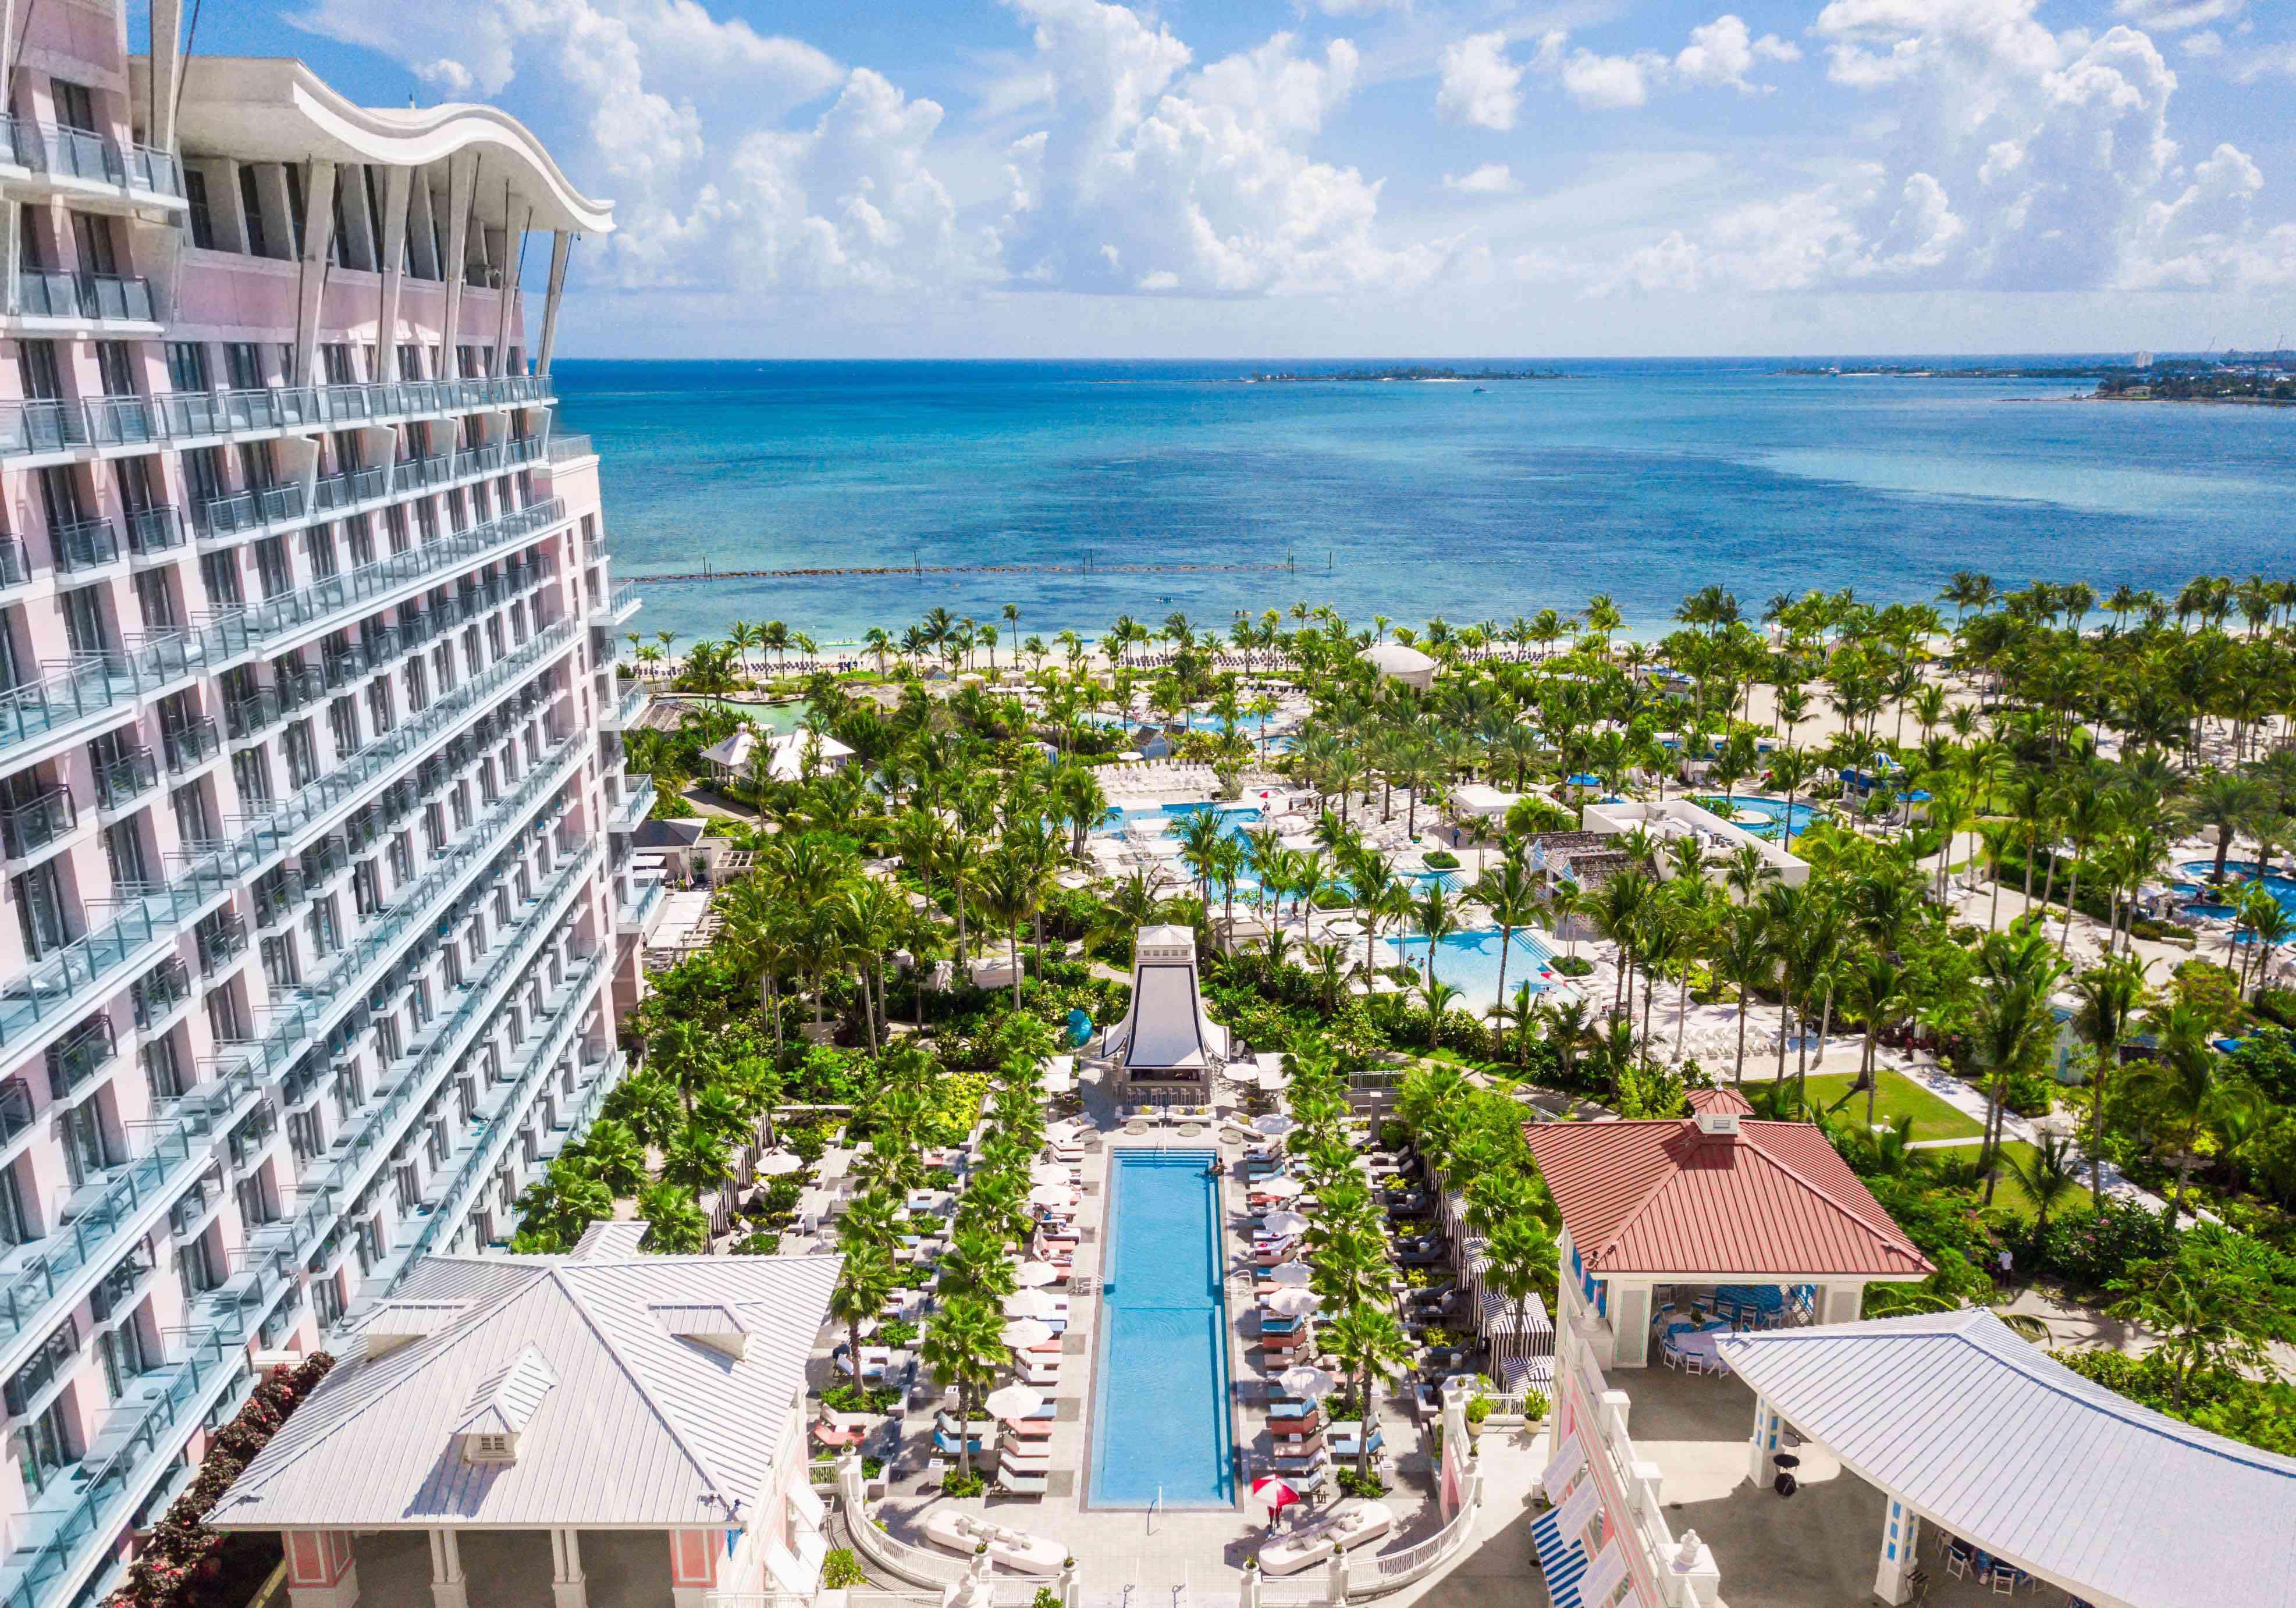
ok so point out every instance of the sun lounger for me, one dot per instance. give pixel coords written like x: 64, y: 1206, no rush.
x: 1029, y: 1429
x: 1289, y: 1341
x: 1013, y: 1483
x: 1040, y: 1370
x: 1287, y: 1466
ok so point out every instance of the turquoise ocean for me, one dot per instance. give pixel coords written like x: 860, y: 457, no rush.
x: 1641, y: 479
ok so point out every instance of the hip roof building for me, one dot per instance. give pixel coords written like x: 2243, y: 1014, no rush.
x: 311, y: 791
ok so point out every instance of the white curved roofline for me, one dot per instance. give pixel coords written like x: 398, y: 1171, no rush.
x: 276, y: 108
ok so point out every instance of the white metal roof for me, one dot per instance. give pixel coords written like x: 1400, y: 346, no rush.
x: 1988, y: 1437
x: 619, y: 1422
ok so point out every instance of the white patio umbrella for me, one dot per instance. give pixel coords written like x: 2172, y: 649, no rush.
x: 1291, y: 1276
x: 1281, y: 1189
x: 1283, y: 1225
x: 779, y: 1163
x: 1274, y: 1124
x: 1049, y: 1172
x: 1035, y: 1276
x: 1030, y: 1303
x: 1013, y: 1401
x: 1311, y: 1383
x: 1051, y: 1195
x: 1292, y: 1303
x: 1024, y: 1334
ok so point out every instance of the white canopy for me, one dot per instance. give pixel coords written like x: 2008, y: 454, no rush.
x: 1985, y: 1436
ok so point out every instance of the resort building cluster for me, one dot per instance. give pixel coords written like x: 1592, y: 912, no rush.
x: 340, y: 925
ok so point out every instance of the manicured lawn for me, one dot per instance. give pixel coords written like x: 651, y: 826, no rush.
x: 1898, y: 1095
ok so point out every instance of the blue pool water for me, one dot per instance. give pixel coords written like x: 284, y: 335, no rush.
x: 1469, y: 961
x: 1773, y: 812
x: 1160, y: 1407
x: 2281, y: 887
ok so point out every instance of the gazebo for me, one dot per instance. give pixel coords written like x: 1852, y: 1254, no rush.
x: 1167, y: 1042
x: 2023, y: 1466
x: 1712, y: 1201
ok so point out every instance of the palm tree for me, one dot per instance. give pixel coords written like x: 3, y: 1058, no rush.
x: 1368, y: 1341
x: 1880, y: 987
x: 2013, y: 1027
x: 2187, y: 1083
x: 1512, y: 897
x: 1439, y: 919
x: 2227, y: 804
x: 2110, y: 995
x: 863, y: 1284
x: 2047, y: 1173
x: 964, y: 1343
x: 1746, y: 960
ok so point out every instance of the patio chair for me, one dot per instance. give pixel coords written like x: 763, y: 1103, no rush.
x: 1959, y: 1559
x: 2004, y: 1580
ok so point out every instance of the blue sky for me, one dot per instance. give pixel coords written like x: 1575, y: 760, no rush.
x: 1272, y: 177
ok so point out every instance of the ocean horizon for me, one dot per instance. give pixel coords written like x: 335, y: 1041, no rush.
x: 1083, y: 490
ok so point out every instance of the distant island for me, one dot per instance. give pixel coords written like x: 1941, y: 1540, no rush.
x: 1411, y: 371
x: 2257, y: 378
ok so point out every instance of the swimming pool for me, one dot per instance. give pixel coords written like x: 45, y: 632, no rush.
x: 1160, y: 1403
x: 2195, y: 872
x: 1772, y: 811
x: 1469, y: 961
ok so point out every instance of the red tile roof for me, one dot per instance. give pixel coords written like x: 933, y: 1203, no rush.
x: 1664, y: 1198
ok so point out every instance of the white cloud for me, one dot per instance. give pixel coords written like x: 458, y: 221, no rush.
x: 2170, y: 16
x: 2206, y: 44
x: 1492, y: 178
x: 1146, y: 173
x: 1480, y: 86
x: 1197, y: 182
x: 2278, y: 60
x: 2020, y: 159
x: 1721, y: 55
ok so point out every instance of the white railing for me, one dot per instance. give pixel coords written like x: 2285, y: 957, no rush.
x: 1393, y: 1570
x: 918, y: 1565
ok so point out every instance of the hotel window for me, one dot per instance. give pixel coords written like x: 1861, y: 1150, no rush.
x: 294, y: 208
x: 280, y: 966
x: 194, y: 822
x: 254, y: 1201
x: 163, y: 1069
x: 302, y: 756
x: 219, y: 577
x: 251, y: 204
x: 410, y: 362
x: 226, y: 1023
x: 434, y: 829
x: 74, y: 105
x: 366, y: 888
x: 85, y: 1153
x: 273, y: 567
x: 378, y: 705
x: 195, y: 1265
x: 35, y: 365
x: 251, y: 775
x: 389, y: 1045
x: 257, y: 470
x: 123, y: 849
x: 402, y: 859
x: 44, y: 1447
x: 187, y: 365
x: 40, y: 910
x: 204, y: 477
x: 337, y: 358
x: 127, y: 1356
x: 327, y: 935
x: 326, y: 1300
x: 93, y: 238
x: 117, y: 367
x: 319, y: 548
x: 15, y: 1224
x: 243, y: 362
x: 195, y: 191
x: 426, y: 519
x: 342, y: 726
x: 85, y: 628
x: 361, y: 533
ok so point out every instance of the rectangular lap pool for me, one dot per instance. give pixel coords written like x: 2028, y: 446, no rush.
x: 1159, y: 1410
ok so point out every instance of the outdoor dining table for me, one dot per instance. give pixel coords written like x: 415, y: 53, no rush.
x: 1745, y: 1300
x: 1702, y: 1343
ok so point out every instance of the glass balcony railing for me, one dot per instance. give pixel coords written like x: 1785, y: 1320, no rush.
x: 637, y: 805
x: 84, y: 544
x: 562, y: 447
x: 562, y: 1019
x: 153, y: 530
x: 645, y: 895
x: 26, y: 828
x: 121, y: 782
x: 160, y: 990
x: 45, y: 293
x: 82, y: 153
x: 147, y: 913
x: 75, y: 1057
x: 180, y: 1149
x: 15, y: 563
x: 41, y: 426
x: 190, y: 415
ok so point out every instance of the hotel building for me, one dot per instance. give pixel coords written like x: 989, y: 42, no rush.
x: 312, y: 799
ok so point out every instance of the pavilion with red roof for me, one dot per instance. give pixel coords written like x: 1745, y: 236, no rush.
x: 1715, y: 1199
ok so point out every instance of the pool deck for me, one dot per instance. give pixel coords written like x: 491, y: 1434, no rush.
x: 1205, y: 1550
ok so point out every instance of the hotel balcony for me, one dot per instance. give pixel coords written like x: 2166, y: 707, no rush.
x: 455, y: 1184
x: 643, y: 912
x: 635, y: 805
x: 207, y: 418
x: 571, y: 448
x: 628, y: 704
x: 84, y: 971
x: 594, y: 1080
x: 86, y: 165
x: 44, y: 298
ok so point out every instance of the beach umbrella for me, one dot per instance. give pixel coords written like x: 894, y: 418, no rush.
x: 1280, y: 1189
x: 1058, y: 1195
x: 1273, y: 1494
x: 1049, y: 1172
x: 1291, y: 1276
x: 1283, y: 1225
x: 1274, y: 1124
x: 1063, y: 1131
x: 1292, y: 1303
x: 1027, y: 1333
x: 779, y: 1163
x: 1031, y: 1303
x: 1013, y: 1401
x: 1308, y: 1383
x: 1035, y: 1276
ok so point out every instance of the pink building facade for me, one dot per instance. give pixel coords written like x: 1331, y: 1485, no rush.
x: 314, y: 823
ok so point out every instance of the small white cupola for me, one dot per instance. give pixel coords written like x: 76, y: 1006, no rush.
x: 501, y: 1407
x: 711, y: 1323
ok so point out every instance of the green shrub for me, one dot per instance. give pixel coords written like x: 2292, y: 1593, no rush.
x: 840, y: 1568
x: 1354, y: 1484
x: 1441, y: 859
x: 1573, y: 965
x: 955, y: 1483
x: 2261, y: 1413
